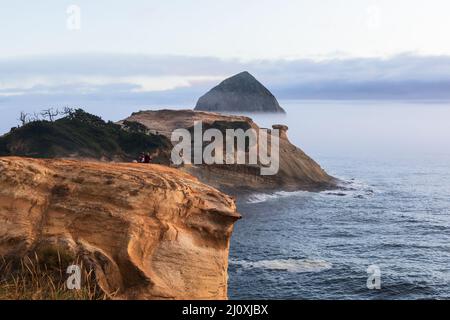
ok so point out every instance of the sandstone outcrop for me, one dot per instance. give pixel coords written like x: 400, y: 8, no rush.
x: 297, y: 171
x: 239, y: 93
x: 149, y: 231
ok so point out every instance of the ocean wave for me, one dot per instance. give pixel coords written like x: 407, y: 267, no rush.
x: 263, y: 197
x: 351, y: 187
x: 290, y: 265
x: 347, y: 188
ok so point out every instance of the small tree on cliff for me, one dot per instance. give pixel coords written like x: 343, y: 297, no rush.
x: 82, y: 116
x: 68, y: 112
x: 24, y: 118
x: 50, y: 114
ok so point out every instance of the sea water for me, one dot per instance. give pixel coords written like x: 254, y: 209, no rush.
x: 394, y: 158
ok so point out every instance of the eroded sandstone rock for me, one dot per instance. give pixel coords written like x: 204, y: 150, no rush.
x: 297, y: 171
x: 150, y: 231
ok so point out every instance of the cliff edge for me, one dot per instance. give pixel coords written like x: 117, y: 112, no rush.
x: 148, y: 231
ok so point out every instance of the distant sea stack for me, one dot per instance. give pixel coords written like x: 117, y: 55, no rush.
x: 240, y: 93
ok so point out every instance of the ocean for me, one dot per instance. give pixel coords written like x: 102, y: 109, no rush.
x: 394, y: 158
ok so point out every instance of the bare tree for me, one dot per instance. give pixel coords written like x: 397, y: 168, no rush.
x: 36, y: 117
x: 55, y: 113
x: 23, y: 118
x: 45, y: 114
x: 50, y: 114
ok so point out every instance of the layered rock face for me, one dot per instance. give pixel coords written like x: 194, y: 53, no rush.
x: 297, y: 171
x: 239, y: 93
x: 149, y: 231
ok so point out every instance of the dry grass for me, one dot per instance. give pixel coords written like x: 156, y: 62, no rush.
x: 44, y: 277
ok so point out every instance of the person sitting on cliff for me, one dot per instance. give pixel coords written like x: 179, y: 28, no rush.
x: 147, y: 158
x: 141, y: 158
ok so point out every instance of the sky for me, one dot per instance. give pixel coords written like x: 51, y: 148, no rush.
x: 141, y: 53
x: 250, y: 29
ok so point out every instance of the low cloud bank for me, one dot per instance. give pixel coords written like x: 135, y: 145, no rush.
x: 104, y: 83
x: 130, y: 73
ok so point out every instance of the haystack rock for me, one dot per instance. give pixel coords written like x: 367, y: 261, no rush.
x: 239, y: 93
x: 297, y: 171
x: 149, y: 231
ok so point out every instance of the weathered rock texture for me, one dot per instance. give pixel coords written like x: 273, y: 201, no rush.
x: 297, y: 171
x: 150, y: 231
x: 239, y: 93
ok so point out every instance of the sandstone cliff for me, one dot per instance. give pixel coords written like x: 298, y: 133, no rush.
x: 149, y: 231
x: 296, y: 170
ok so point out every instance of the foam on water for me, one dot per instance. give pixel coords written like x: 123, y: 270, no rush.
x: 290, y: 265
x: 351, y: 187
x: 263, y: 197
x: 347, y: 187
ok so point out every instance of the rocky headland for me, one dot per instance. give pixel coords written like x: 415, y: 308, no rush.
x: 297, y: 171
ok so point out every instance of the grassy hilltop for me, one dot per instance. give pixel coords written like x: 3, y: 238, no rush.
x: 83, y: 135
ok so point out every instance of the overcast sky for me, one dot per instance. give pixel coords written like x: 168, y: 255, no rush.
x: 247, y: 29
x: 150, y: 52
